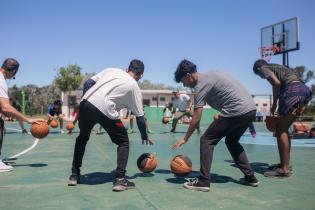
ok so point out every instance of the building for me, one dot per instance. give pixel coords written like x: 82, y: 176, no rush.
x: 159, y: 98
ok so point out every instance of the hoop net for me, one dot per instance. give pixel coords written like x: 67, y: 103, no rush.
x: 266, y: 53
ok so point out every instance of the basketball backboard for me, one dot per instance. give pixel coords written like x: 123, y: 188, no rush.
x: 284, y: 36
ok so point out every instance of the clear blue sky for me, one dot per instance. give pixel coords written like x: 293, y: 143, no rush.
x: 224, y: 34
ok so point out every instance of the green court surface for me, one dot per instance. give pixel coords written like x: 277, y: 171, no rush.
x: 39, y: 178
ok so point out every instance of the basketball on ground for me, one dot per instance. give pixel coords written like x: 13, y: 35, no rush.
x: 181, y: 165
x: 147, y: 162
x: 70, y: 126
x: 54, y: 124
x: 165, y: 120
x: 40, y: 130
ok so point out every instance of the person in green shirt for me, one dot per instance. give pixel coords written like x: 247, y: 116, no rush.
x: 290, y: 97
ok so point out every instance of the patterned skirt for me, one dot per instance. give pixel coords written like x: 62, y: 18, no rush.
x: 294, y: 98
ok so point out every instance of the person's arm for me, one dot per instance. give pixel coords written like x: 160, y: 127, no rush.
x: 50, y: 117
x: 194, y: 122
x: 10, y: 111
x: 137, y: 110
x: 189, y: 105
x: 274, y: 81
x: 143, y: 130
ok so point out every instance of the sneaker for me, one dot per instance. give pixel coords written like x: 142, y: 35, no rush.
x: 4, y: 167
x: 277, y: 172
x: 250, y: 181
x: 74, y: 179
x: 24, y: 131
x: 121, y: 184
x: 62, y: 131
x: 172, y: 131
x: 196, y: 184
x: 274, y: 166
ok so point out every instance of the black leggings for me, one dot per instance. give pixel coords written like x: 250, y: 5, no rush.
x: 232, y: 128
x: 89, y: 116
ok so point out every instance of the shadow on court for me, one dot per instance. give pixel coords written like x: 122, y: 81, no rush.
x: 258, y: 167
x: 215, y: 178
x: 172, y: 132
x: 35, y: 165
x: 96, y: 178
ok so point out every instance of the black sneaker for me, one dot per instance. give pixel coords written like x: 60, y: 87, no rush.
x: 121, y: 184
x: 249, y: 180
x: 196, y: 184
x: 172, y: 131
x: 74, y: 179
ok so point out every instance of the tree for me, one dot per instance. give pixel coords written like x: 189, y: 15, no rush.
x: 68, y: 78
x: 305, y: 75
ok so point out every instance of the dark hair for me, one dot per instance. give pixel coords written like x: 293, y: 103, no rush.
x: 258, y: 64
x: 58, y: 102
x: 10, y: 64
x: 136, y: 66
x: 184, y: 68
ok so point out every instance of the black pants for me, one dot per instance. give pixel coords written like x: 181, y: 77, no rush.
x: 1, y: 133
x: 89, y: 116
x: 232, y: 128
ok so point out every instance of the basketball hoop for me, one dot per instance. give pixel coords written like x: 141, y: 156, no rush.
x: 266, y: 53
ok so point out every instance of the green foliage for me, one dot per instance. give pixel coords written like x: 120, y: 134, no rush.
x: 305, y: 75
x: 69, y: 77
x: 37, y: 98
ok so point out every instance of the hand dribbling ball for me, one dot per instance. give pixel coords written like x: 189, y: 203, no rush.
x: 40, y: 130
x: 165, y: 120
x: 70, y: 126
x: 271, y: 123
x: 54, y: 124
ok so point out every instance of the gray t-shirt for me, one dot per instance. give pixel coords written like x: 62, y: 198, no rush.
x: 223, y: 93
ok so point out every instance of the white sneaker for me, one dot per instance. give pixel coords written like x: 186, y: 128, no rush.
x: 61, y: 131
x: 4, y: 167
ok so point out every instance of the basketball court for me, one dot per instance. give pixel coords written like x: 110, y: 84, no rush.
x: 39, y: 178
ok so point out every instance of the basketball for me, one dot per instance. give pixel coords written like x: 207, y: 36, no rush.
x: 271, y: 123
x: 40, y: 130
x: 54, y: 124
x: 165, y: 120
x: 147, y: 162
x: 70, y: 126
x: 181, y: 165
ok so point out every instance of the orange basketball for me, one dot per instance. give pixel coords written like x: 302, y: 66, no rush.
x: 181, y: 165
x: 40, y: 130
x: 271, y: 123
x: 301, y: 127
x: 70, y: 126
x: 165, y: 120
x: 147, y: 162
x: 54, y: 124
